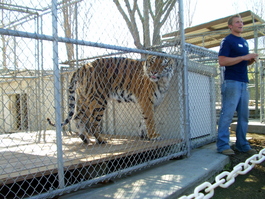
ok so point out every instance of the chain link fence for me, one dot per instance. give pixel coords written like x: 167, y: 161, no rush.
x: 44, y: 44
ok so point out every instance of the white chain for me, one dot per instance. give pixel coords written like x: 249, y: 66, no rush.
x: 225, y: 179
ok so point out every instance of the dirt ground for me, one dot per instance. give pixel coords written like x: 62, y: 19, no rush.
x: 250, y: 185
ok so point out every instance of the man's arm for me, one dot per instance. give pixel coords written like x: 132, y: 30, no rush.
x: 230, y: 61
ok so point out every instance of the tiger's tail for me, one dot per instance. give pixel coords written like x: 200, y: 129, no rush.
x: 72, y: 102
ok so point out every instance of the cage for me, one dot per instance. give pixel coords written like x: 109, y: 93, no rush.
x: 44, y: 44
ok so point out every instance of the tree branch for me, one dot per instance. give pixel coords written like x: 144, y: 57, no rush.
x: 140, y: 14
x: 150, y: 10
x: 130, y: 21
x: 168, y: 9
x: 162, y: 11
x: 118, y: 5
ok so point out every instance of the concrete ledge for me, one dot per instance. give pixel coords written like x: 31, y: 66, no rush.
x: 254, y: 126
x: 168, y: 180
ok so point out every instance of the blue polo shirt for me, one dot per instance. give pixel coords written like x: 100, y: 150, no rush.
x: 233, y: 46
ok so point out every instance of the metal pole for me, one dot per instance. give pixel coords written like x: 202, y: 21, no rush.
x: 262, y: 94
x: 256, y: 74
x: 82, y: 42
x: 185, y: 77
x: 57, y: 95
x: 76, y: 34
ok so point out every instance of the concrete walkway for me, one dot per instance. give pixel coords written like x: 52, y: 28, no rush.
x: 168, y: 180
x: 171, y: 179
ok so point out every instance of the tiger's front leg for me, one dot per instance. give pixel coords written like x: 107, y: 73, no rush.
x: 149, y: 120
x: 142, y: 129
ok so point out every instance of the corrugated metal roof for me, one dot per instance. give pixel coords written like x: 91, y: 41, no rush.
x: 210, y: 34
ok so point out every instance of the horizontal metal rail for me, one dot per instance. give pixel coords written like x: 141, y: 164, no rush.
x: 81, y: 42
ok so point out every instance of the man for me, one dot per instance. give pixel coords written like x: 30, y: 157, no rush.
x: 234, y: 55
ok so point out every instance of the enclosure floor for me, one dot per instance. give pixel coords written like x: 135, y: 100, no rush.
x: 25, y: 156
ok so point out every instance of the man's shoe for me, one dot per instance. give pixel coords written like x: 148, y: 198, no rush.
x: 251, y: 152
x: 228, y: 152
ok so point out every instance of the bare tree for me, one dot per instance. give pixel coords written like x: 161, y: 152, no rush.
x: 258, y: 7
x: 67, y: 13
x: 156, y: 12
x: 190, y: 8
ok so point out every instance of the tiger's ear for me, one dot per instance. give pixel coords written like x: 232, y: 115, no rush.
x: 151, y: 58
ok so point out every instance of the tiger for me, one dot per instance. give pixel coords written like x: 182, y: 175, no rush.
x: 145, y: 82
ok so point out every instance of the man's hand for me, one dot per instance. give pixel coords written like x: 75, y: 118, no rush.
x: 250, y: 57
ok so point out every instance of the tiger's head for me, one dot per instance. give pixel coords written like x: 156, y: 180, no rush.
x: 157, y: 67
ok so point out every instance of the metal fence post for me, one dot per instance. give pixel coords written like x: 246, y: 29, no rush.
x: 57, y: 95
x: 185, y: 77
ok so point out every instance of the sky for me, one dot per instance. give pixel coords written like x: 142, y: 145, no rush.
x: 209, y: 10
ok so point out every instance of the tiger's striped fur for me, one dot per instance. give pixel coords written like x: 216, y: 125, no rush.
x: 122, y: 79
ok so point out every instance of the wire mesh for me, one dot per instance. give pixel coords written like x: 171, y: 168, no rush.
x: 39, y: 160
x: 203, y: 79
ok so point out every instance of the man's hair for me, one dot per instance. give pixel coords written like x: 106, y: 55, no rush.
x: 230, y: 20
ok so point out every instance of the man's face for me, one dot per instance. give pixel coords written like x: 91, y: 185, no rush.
x: 237, y: 25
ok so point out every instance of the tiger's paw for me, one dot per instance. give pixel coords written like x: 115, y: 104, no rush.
x: 154, y: 136
x: 143, y: 135
x: 102, y: 142
x: 84, y: 139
